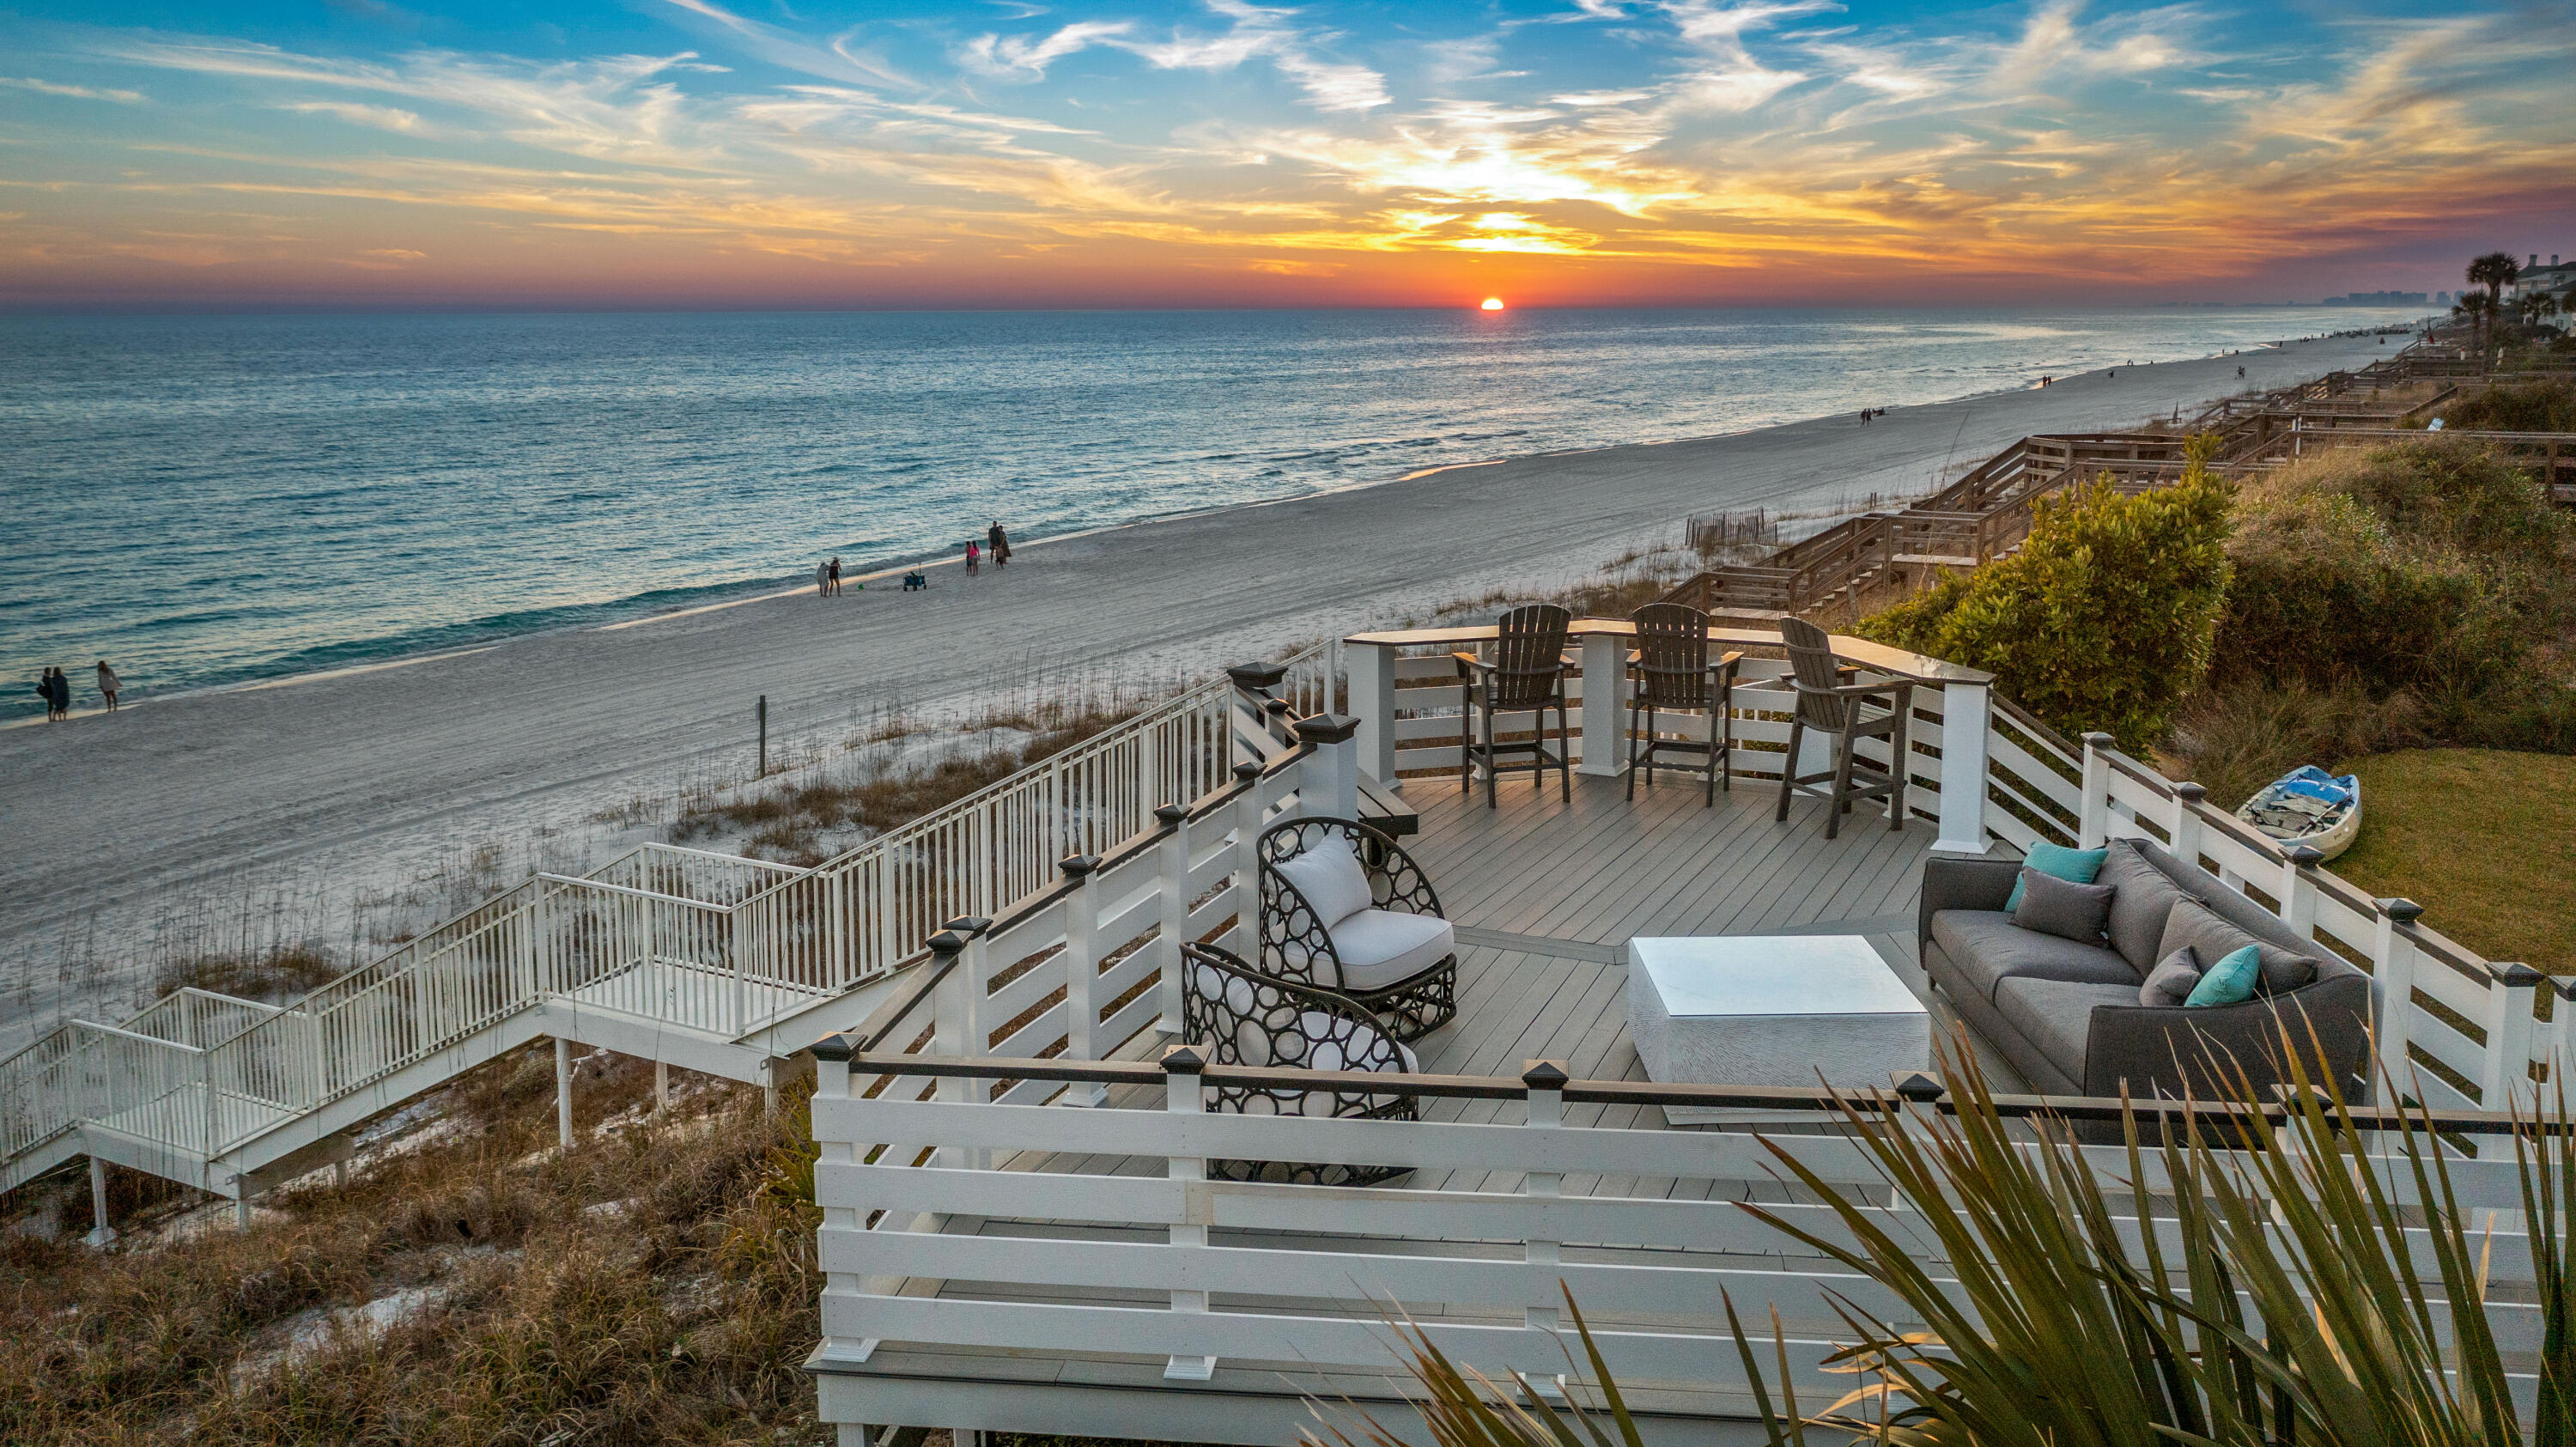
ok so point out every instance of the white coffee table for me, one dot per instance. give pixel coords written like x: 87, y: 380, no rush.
x: 1770, y: 1010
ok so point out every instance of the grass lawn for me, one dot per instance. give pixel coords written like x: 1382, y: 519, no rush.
x: 2482, y: 839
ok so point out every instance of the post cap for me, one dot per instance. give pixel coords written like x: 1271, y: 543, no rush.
x: 2401, y: 909
x: 1171, y: 813
x: 1543, y: 1075
x: 1256, y: 677
x: 1920, y: 1088
x: 946, y: 942
x: 832, y: 1047
x: 2306, y: 856
x: 1278, y: 707
x: 1184, y: 1059
x: 1328, y: 728
x: 2519, y: 977
x: 2194, y: 792
x: 2099, y: 740
x: 1247, y: 771
x: 969, y: 925
x: 1079, y: 865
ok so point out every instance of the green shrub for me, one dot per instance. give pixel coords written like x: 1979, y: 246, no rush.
x: 2545, y: 406
x: 2103, y: 619
x: 2431, y: 568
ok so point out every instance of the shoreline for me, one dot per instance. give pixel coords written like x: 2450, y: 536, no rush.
x: 366, y: 779
x: 751, y: 592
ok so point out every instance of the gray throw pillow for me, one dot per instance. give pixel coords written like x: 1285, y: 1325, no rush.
x: 2170, y: 983
x: 2144, y: 900
x: 2213, y: 938
x: 2060, y: 907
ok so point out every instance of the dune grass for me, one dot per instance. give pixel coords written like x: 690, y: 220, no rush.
x: 2481, y: 839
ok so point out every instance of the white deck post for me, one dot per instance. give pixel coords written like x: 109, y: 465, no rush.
x: 1172, y: 898
x: 661, y: 1086
x: 949, y: 1028
x: 1185, y: 1094
x: 1371, y: 695
x: 832, y: 1082
x: 1081, y: 973
x: 2393, y: 982
x: 2095, y: 818
x: 1545, y: 1080
x: 2298, y: 891
x: 2509, y: 1029
x: 1328, y: 782
x: 1605, y: 690
x: 2184, y: 832
x: 1246, y: 938
x: 563, y: 1092
x: 100, y: 1233
x: 1967, y: 714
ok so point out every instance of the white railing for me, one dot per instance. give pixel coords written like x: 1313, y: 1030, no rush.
x: 713, y: 943
x: 2453, y: 1030
x: 1119, y: 1243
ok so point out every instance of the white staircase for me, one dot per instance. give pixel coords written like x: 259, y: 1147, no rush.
x: 706, y: 961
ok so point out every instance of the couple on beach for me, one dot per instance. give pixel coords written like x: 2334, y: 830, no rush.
x: 56, y: 689
x: 827, y: 579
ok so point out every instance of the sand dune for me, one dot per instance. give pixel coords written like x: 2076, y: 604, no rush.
x: 107, y: 816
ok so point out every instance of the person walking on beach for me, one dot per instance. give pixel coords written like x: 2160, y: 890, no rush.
x: 822, y: 580
x: 836, y: 575
x: 45, y: 691
x: 1000, y: 542
x: 58, y: 695
x: 108, y: 684
x: 974, y: 558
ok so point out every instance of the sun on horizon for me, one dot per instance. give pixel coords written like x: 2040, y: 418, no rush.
x: 1492, y: 304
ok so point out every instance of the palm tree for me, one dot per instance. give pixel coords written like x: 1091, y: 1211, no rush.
x: 2495, y: 271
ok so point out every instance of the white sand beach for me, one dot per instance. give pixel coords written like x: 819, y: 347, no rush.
x: 334, y: 779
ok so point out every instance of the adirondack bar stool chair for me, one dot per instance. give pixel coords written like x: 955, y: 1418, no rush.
x: 1241, y: 1016
x: 1525, y: 675
x: 1847, y: 713
x: 1670, y: 671
x: 1344, y: 908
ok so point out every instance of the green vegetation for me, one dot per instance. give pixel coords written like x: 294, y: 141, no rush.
x: 2483, y: 838
x: 2548, y: 405
x: 2066, y: 1329
x: 2105, y: 617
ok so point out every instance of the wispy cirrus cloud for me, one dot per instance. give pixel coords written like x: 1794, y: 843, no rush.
x: 72, y: 92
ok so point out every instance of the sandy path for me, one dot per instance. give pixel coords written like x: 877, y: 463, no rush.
x: 107, y: 816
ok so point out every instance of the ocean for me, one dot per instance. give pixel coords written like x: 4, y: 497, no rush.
x: 207, y: 500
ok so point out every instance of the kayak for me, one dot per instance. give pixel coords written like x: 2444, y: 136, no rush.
x: 2308, y: 806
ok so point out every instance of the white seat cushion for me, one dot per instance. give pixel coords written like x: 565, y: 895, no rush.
x: 1330, y: 877
x: 1381, y: 946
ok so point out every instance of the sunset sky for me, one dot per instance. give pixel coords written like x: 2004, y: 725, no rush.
x: 813, y: 153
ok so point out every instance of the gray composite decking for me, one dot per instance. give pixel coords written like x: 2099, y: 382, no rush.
x: 1546, y: 894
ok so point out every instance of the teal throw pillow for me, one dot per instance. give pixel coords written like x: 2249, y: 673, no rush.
x: 2231, y: 980
x: 2075, y: 866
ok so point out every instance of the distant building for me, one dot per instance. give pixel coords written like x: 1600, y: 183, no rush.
x: 2557, y: 279
x: 2378, y: 298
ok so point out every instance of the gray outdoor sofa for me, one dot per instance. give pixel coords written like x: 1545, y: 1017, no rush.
x: 2068, y: 1015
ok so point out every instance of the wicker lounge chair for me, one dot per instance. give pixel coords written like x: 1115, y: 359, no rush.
x: 1525, y: 675
x: 1241, y: 1016
x: 1671, y: 671
x: 1848, y: 712
x: 1344, y: 908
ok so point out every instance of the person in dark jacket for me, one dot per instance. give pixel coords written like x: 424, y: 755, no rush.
x: 1001, y: 542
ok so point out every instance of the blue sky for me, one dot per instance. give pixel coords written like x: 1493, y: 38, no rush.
x: 777, y: 152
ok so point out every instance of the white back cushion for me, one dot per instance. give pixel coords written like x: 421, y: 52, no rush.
x: 1329, y: 875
